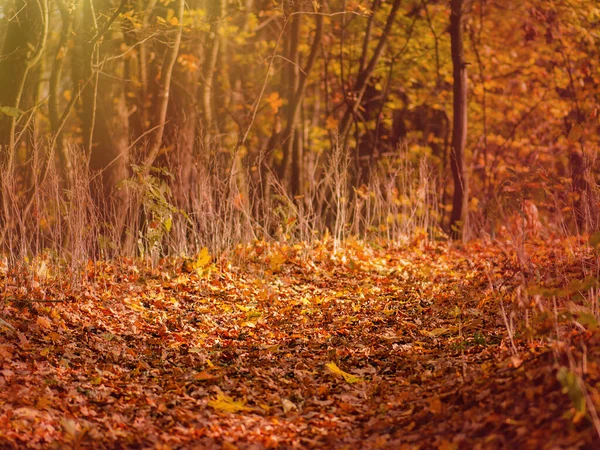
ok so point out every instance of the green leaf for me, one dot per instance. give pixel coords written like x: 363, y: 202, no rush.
x: 168, y: 223
x: 570, y: 383
x: 595, y: 240
x: 584, y: 285
x: 108, y: 336
x: 587, y: 319
x: 455, y: 312
x: 10, y: 111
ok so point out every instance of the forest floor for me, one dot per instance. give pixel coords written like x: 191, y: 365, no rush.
x: 427, y: 346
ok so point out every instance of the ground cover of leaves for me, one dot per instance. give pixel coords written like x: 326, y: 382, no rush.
x: 427, y: 346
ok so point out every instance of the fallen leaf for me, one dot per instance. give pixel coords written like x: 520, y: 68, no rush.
x: 44, y: 322
x: 5, y: 325
x: 43, y: 402
x: 227, y: 404
x: 435, y: 405
x: 288, y: 405
x: 516, y: 361
x: 276, y: 262
x: 70, y: 426
x: 436, y: 332
x: 334, y: 369
x: 204, y: 376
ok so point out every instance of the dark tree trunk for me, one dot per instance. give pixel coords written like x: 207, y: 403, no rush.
x: 362, y: 80
x: 291, y: 81
x: 459, y: 123
x: 294, y: 147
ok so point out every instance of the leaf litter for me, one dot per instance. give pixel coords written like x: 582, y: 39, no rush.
x: 279, y: 346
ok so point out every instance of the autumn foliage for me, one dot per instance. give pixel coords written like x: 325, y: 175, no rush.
x: 299, y: 224
x: 303, y: 347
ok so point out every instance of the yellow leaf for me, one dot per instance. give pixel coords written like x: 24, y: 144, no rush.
x: 435, y: 332
x: 276, y: 261
x: 135, y: 305
x: 334, y: 369
x: 253, y: 315
x: 227, y: 404
x: 203, y: 258
x: 202, y: 264
x: 182, y: 279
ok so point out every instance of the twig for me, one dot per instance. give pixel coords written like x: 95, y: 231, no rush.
x: 28, y: 300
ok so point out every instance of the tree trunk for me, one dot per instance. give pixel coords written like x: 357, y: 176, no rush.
x: 362, y: 80
x: 144, y: 99
x: 54, y: 93
x: 164, y: 90
x: 294, y: 148
x: 584, y: 188
x: 291, y: 80
x: 23, y: 46
x: 459, y: 123
x: 182, y: 133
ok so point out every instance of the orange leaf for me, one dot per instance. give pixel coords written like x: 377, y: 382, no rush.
x: 204, y: 376
x: 274, y: 101
x: 44, y: 322
x: 435, y: 405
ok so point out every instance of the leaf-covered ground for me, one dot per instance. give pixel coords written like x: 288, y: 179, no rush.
x: 303, y: 347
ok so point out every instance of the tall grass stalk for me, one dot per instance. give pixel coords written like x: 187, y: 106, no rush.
x: 69, y: 227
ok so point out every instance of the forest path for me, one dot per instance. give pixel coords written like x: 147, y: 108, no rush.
x: 295, y: 348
